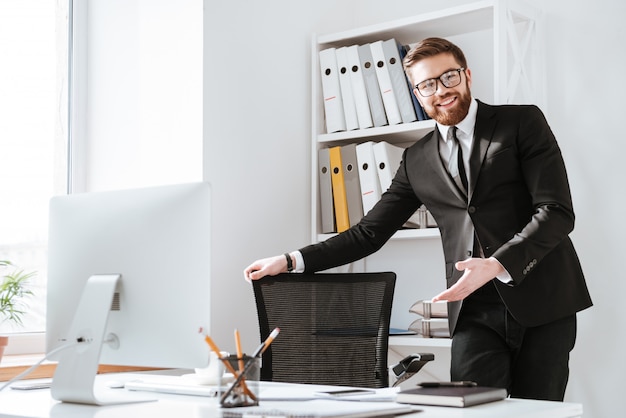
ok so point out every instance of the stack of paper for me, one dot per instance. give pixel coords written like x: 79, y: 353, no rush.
x: 433, y: 321
x: 319, y: 408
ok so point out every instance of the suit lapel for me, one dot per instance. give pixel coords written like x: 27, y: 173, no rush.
x: 483, y: 133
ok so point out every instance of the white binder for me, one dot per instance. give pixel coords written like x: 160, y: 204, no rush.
x: 331, y: 90
x: 368, y: 175
x: 349, y: 108
x: 359, y: 92
x: 372, y: 88
x: 384, y: 83
x: 388, y: 158
x: 398, y: 80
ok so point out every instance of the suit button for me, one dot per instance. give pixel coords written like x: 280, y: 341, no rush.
x: 471, y: 209
x: 469, y: 253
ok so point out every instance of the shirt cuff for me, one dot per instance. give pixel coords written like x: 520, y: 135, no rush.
x: 504, y: 277
x: 299, y: 262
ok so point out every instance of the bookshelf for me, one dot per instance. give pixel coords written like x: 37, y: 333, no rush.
x: 501, y: 41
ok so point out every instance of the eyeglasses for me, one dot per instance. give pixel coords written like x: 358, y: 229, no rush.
x: 449, y: 79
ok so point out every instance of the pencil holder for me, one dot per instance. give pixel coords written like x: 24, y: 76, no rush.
x: 245, y: 388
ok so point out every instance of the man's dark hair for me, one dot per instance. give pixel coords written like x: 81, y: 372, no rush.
x: 430, y: 47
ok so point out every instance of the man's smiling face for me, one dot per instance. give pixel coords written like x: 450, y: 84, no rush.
x: 448, y: 106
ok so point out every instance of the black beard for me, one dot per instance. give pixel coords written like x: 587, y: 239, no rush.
x: 454, y: 117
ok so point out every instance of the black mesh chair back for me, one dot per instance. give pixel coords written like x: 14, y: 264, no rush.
x: 334, y: 327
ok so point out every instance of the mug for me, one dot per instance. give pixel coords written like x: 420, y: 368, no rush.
x: 214, y: 372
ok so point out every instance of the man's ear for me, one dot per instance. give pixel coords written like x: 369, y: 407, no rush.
x: 468, y: 75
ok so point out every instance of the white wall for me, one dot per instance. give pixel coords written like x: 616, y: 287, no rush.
x: 257, y: 132
x: 138, y: 93
x: 586, y: 111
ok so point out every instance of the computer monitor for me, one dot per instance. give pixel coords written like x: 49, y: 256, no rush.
x: 128, y: 284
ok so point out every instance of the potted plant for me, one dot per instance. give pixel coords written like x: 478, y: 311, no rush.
x: 13, y: 294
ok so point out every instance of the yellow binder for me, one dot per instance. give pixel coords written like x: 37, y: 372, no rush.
x: 339, y: 190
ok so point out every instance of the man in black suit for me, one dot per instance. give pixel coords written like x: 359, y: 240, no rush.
x: 494, y: 180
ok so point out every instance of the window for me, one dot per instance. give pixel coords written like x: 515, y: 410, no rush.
x: 133, y: 111
x: 33, y: 138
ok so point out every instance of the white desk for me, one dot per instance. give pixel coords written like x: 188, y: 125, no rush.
x: 38, y: 403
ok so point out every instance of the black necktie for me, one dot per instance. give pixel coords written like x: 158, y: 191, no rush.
x: 459, y: 158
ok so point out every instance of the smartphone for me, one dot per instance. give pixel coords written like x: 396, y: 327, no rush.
x: 345, y: 392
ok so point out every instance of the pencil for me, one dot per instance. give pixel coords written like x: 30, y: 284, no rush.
x: 239, y: 353
x: 266, y: 343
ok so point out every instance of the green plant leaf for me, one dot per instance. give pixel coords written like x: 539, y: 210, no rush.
x: 13, y: 293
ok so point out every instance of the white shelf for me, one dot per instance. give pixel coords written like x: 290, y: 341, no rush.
x: 426, y: 233
x: 417, y: 341
x: 404, y: 132
x: 443, y: 23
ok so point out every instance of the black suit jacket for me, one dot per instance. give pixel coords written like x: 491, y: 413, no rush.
x: 519, y: 205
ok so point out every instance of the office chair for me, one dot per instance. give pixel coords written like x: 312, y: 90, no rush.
x: 334, y: 327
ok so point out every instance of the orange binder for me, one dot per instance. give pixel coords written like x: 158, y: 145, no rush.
x: 340, y: 199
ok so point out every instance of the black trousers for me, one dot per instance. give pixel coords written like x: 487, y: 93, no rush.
x: 491, y: 348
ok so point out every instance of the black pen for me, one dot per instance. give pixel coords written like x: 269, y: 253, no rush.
x: 459, y: 383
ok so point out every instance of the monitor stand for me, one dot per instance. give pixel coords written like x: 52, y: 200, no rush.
x: 75, y: 375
